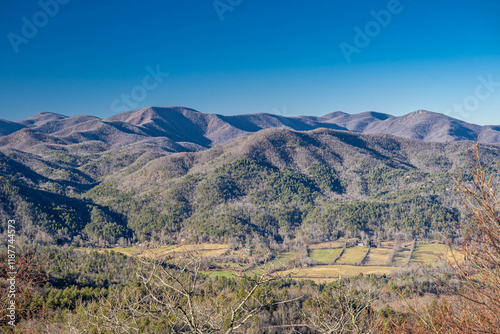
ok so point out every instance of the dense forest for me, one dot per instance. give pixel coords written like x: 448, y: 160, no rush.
x: 278, y: 184
x: 271, y: 193
x: 111, y: 293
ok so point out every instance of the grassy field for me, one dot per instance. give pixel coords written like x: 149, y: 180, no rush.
x: 126, y: 251
x: 387, y: 244
x: 352, y: 255
x: 282, y: 259
x: 429, y: 253
x: 325, y: 256
x: 401, y: 258
x: 205, y: 250
x: 132, y: 251
x: 378, y: 257
x: 333, y: 272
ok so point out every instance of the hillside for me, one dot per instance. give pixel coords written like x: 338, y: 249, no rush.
x: 277, y: 184
x: 179, y: 129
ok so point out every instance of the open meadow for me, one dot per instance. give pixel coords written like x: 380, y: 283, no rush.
x: 325, y: 262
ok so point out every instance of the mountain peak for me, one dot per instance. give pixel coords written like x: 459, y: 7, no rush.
x: 45, y: 115
x: 149, y: 114
x: 423, y: 112
x: 41, y: 118
x: 334, y: 114
x: 188, y: 128
x: 374, y: 114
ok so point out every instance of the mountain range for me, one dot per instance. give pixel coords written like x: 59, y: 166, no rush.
x: 167, y: 173
x: 179, y: 129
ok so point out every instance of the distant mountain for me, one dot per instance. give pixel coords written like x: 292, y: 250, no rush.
x: 7, y: 127
x: 277, y: 183
x: 41, y: 118
x: 179, y: 129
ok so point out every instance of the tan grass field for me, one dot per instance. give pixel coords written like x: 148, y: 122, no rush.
x: 131, y: 251
x: 430, y: 253
x: 283, y: 259
x: 378, y: 257
x: 352, y: 255
x: 387, y: 244
x: 401, y: 258
x: 390, y: 244
x: 205, y: 250
x: 336, y: 271
x: 325, y: 256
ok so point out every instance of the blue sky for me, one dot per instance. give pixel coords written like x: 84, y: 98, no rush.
x: 248, y: 56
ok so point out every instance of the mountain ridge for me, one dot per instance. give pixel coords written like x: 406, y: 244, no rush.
x: 178, y: 129
x: 277, y: 182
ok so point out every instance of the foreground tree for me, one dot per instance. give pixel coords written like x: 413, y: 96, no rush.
x: 472, y: 303
x: 340, y: 309
x: 22, y: 285
x: 179, y: 298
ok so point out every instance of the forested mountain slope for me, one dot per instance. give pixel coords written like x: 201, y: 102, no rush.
x: 277, y: 184
x: 179, y: 129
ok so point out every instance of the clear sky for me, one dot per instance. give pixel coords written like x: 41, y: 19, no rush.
x: 247, y: 56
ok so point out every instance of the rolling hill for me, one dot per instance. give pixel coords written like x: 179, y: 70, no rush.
x: 179, y: 129
x: 158, y: 174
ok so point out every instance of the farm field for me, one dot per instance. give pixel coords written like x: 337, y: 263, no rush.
x: 401, y: 257
x: 429, y: 253
x: 322, y: 270
x: 378, y: 257
x: 282, y: 259
x: 334, y: 272
x: 205, y: 250
x: 352, y: 255
x: 325, y: 256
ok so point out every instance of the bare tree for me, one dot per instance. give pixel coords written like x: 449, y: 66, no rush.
x: 340, y: 310
x: 476, y: 259
x: 181, y: 299
x: 472, y: 304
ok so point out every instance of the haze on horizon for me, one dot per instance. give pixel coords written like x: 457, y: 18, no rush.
x: 240, y: 57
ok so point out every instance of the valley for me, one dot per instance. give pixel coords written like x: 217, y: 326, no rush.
x: 320, y: 263
x: 250, y: 167
x: 279, y: 217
